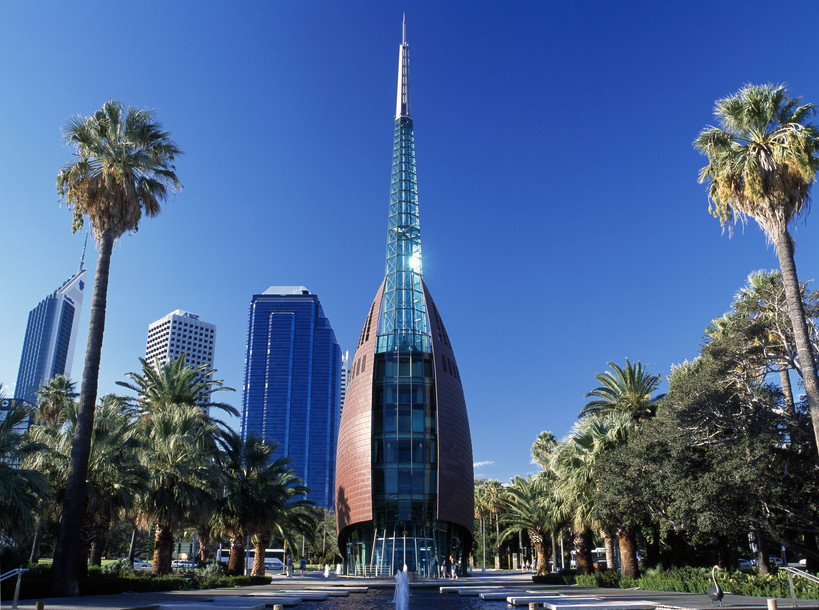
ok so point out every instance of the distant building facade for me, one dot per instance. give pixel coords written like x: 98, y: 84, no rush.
x: 182, y: 332
x: 51, y: 334
x: 346, y: 363
x: 292, y: 388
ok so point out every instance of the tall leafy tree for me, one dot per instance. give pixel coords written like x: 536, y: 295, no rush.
x: 575, y: 462
x: 624, y: 390
x: 54, y: 398
x: 123, y: 168
x: 159, y: 386
x: 21, y: 489
x: 180, y: 455
x: 115, y: 475
x: 542, y: 448
x: 529, y: 504
x: 762, y: 161
x: 260, y: 496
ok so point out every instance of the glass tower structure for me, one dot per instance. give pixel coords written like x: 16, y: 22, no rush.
x: 292, y: 388
x: 51, y: 332
x: 404, y: 473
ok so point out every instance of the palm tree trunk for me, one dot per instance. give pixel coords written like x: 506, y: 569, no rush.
x: 608, y: 542
x: 628, y: 553
x: 236, y: 563
x: 810, y: 544
x: 163, y: 549
x: 582, y: 549
x: 35, y: 544
x: 261, y: 541
x: 539, y: 542
x: 787, y: 391
x: 204, y: 544
x: 497, y: 542
x: 796, y: 312
x: 66, y: 555
x: 762, y: 554
x: 99, y: 536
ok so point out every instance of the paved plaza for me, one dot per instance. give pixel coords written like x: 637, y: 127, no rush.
x: 287, y: 589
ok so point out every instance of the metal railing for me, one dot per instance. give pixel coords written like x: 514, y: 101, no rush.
x: 18, y: 572
x: 802, y: 574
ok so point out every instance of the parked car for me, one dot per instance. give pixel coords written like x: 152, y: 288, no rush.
x: 181, y: 564
x: 744, y: 563
x: 773, y: 560
x: 139, y: 564
x: 273, y: 563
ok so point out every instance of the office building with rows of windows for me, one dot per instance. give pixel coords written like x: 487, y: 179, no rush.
x: 51, y: 333
x: 404, y: 475
x: 292, y: 388
x: 182, y: 332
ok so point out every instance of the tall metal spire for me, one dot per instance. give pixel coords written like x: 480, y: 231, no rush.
x: 404, y: 324
x: 402, y: 102
x: 84, y: 246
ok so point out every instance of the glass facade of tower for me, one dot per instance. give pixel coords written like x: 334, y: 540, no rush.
x: 292, y: 388
x: 51, y: 333
x: 396, y: 474
x: 403, y: 315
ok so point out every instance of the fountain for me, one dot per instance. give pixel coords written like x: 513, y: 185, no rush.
x: 326, y: 570
x: 401, y: 598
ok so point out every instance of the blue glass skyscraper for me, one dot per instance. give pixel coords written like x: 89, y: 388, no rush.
x: 292, y: 388
x: 51, y: 332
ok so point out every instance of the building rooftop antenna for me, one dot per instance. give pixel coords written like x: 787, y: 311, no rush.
x: 85, y: 245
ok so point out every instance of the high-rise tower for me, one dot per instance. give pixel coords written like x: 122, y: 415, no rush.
x: 292, y: 387
x: 182, y: 332
x: 404, y: 479
x: 51, y: 332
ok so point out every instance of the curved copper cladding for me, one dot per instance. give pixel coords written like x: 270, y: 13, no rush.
x: 455, y: 474
x: 354, y: 448
x: 354, y: 491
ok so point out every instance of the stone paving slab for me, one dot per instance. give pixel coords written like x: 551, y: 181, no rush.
x: 211, y: 606
x: 525, y: 600
x: 605, y: 605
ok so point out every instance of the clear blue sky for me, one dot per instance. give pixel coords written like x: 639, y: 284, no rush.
x: 562, y: 223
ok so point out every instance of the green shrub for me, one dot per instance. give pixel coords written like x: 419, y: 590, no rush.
x: 113, y: 579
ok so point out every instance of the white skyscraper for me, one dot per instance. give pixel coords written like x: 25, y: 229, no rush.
x: 182, y: 332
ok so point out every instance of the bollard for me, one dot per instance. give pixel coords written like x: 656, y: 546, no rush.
x: 771, y: 604
x: 40, y: 605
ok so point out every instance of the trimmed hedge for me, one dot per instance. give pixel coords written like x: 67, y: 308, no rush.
x: 38, y: 581
x: 691, y: 580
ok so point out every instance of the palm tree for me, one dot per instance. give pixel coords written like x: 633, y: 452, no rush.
x: 54, y: 398
x: 482, y: 509
x: 493, y: 497
x: 763, y: 299
x: 123, y: 168
x: 762, y: 161
x: 179, y: 453
x: 115, y: 475
x: 530, y: 504
x: 626, y: 390
x: 574, y: 463
x: 542, y: 448
x: 260, y: 496
x: 21, y: 489
x: 173, y: 383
